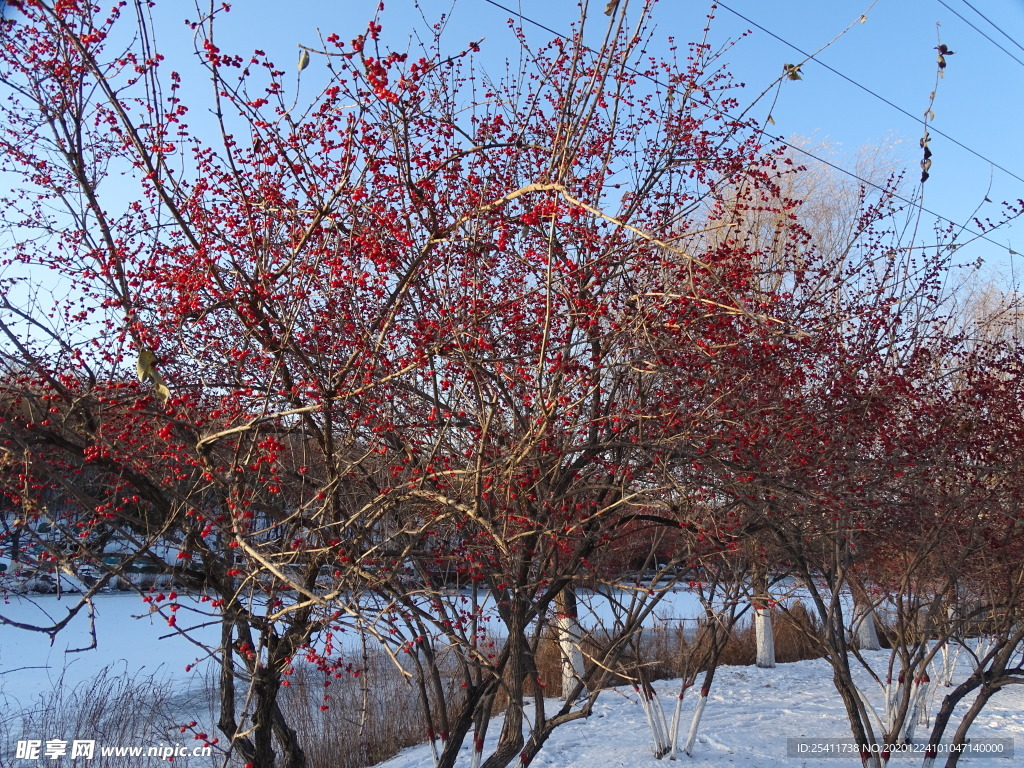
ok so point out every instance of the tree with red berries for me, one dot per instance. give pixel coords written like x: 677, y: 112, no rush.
x: 405, y: 352
x: 325, y: 351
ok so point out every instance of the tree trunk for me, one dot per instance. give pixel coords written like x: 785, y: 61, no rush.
x: 763, y: 633
x: 698, y: 711
x: 960, y: 737
x: 292, y: 755
x: 569, y: 634
x: 264, y: 692
x: 764, y: 636
x: 511, y: 740
x: 855, y: 712
x: 864, y: 633
x: 460, y: 726
x: 228, y: 722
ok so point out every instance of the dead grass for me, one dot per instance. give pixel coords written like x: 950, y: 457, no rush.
x: 670, y: 652
x: 796, y: 635
x: 362, y: 721
x: 113, y: 709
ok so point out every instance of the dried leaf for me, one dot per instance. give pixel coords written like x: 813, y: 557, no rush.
x: 303, y: 60
x: 771, y: 119
x: 145, y: 367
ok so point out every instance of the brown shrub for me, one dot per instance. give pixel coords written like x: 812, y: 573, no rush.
x: 796, y: 633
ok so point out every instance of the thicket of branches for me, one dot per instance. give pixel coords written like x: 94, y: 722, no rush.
x: 424, y: 346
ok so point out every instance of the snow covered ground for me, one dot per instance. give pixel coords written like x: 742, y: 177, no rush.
x: 750, y: 715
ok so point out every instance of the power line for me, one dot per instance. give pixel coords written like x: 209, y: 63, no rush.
x: 972, y: 26
x: 931, y: 128
x: 913, y: 203
x: 994, y: 25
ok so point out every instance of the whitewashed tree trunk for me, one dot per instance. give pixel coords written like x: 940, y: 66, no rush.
x: 893, y: 695
x: 482, y: 720
x: 943, y: 670
x: 905, y: 731
x: 919, y: 707
x: 864, y: 633
x: 764, y: 636
x: 676, y: 715
x: 433, y: 751
x: 478, y: 751
x: 568, y: 630
x: 656, y: 719
x: 698, y: 711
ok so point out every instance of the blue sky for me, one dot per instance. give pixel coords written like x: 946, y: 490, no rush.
x: 979, y: 102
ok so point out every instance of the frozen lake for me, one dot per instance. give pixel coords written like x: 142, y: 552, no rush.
x: 133, y: 639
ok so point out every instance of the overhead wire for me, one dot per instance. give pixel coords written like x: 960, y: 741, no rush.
x: 980, y: 32
x: 995, y: 26
x: 914, y: 203
x: 897, y: 107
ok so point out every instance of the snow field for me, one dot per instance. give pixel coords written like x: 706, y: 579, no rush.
x: 749, y: 716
